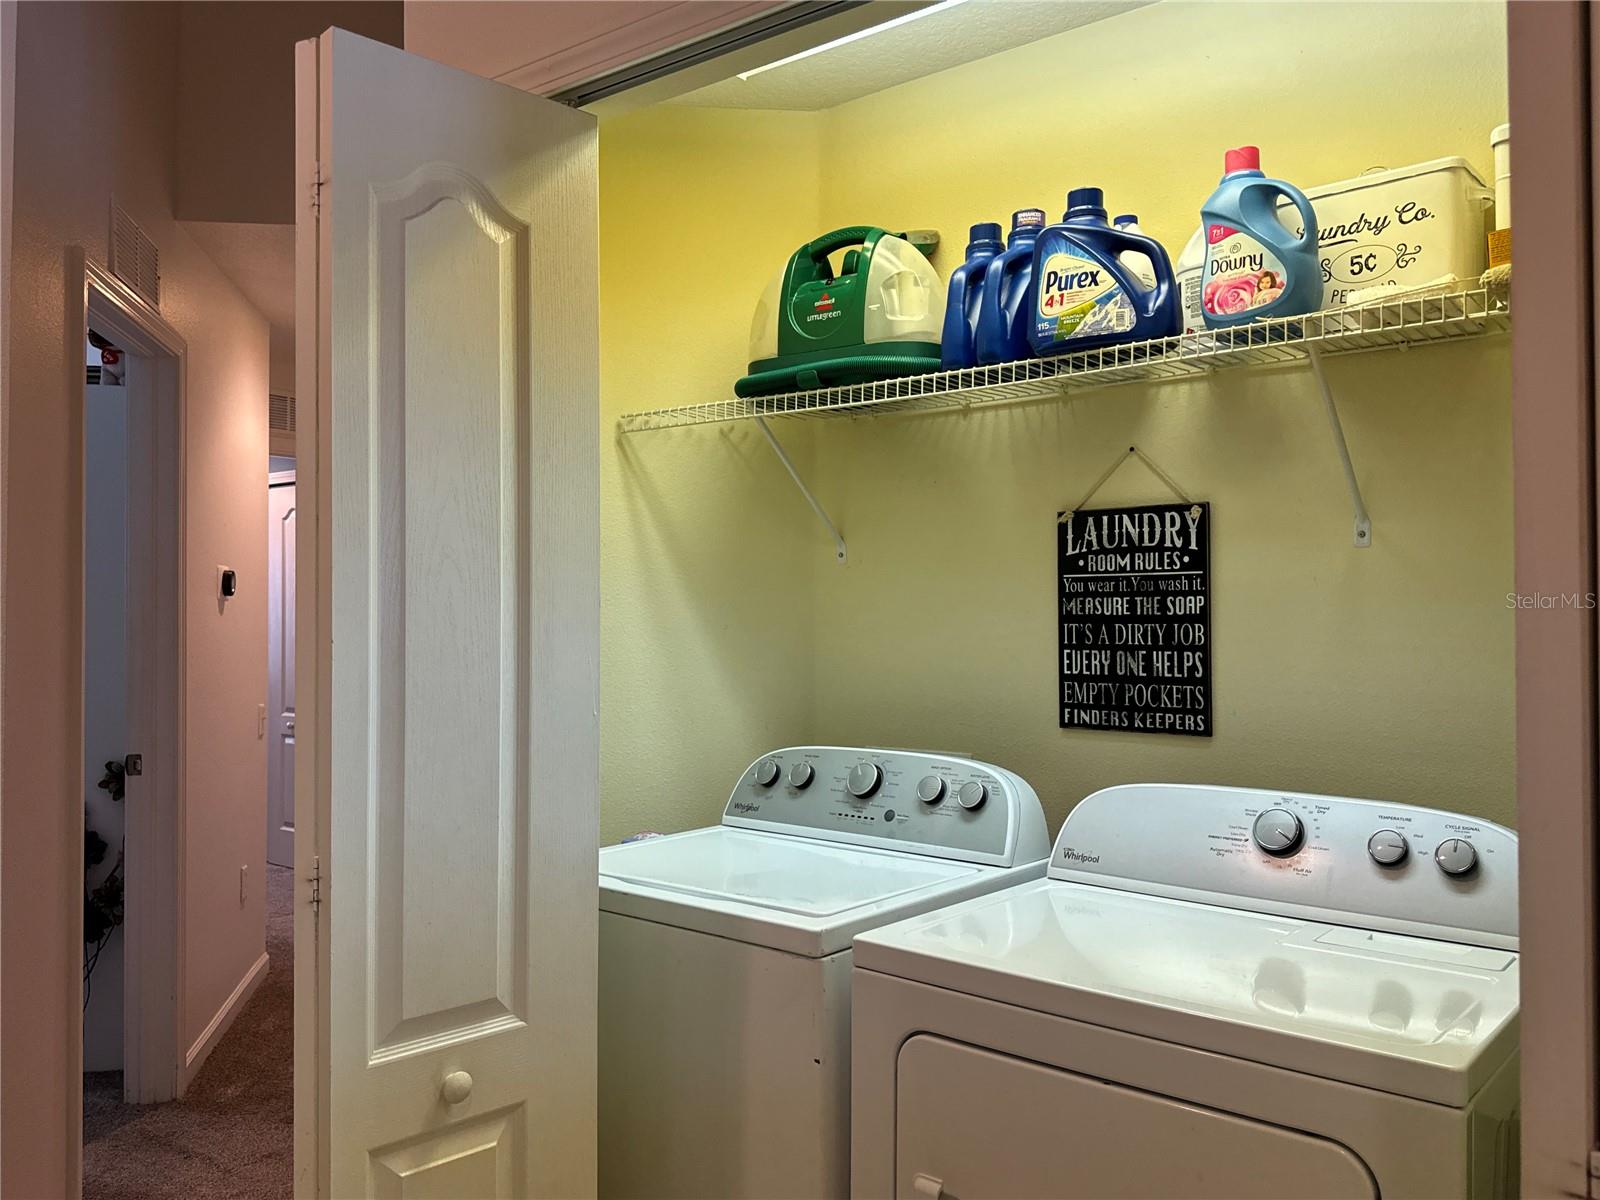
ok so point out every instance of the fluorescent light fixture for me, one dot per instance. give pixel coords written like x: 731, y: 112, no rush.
x: 916, y: 15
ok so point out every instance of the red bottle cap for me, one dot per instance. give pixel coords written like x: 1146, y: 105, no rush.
x: 1245, y: 158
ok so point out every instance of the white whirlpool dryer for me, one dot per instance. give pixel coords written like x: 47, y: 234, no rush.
x: 725, y: 959
x: 1217, y: 992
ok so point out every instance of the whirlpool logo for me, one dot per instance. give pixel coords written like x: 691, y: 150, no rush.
x: 744, y: 806
x: 1068, y: 854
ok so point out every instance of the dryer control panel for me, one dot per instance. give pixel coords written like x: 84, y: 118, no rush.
x: 940, y: 805
x: 1395, y: 867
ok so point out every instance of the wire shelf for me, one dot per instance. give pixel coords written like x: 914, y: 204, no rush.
x: 1279, y: 341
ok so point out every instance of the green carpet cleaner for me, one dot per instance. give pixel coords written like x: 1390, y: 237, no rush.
x: 879, y: 316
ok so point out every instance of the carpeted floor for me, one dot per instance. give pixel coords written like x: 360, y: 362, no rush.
x: 231, y: 1134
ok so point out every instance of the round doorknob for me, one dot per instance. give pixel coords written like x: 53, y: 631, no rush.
x: 457, y: 1087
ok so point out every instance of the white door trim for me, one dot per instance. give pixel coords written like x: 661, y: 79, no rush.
x: 153, y: 878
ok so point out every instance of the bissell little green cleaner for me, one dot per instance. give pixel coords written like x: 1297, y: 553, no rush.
x: 1083, y: 295
x: 956, y: 346
x: 1003, y: 315
x: 879, y: 315
x: 1254, y: 266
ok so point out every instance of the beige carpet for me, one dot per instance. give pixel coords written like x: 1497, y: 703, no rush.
x: 230, y: 1136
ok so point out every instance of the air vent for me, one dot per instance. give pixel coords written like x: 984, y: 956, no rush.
x: 280, y: 417
x: 134, y: 257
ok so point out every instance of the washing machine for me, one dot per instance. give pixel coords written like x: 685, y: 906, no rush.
x: 1215, y: 993
x: 725, y: 959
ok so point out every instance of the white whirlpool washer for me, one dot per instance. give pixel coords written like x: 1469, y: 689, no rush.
x: 725, y: 959
x: 1217, y: 992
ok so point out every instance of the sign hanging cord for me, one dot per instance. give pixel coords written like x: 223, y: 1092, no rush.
x: 1112, y: 470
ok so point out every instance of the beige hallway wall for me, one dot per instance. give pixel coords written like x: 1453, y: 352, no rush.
x: 95, y: 117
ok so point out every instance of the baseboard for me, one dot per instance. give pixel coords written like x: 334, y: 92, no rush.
x: 223, y: 1021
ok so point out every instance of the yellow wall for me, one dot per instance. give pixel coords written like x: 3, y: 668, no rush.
x: 706, y: 554
x: 1383, y: 672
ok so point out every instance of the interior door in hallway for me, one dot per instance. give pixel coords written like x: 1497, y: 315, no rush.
x: 449, y: 609
x: 280, y: 668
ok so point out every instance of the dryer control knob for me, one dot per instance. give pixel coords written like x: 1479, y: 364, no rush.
x: 766, y: 772
x: 930, y: 789
x: 1279, y: 832
x: 864, y: 779
x: 800, y: 776
x: 972, y: 795
x: 1456, y: 857
x: 1388, y: 847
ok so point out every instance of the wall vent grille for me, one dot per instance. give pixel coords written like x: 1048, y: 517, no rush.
x: 134, y: 257
x: 280, y: 413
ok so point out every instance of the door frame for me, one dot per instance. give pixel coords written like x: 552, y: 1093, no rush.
x: 1554, y: 446
x: 152, y: 932
x: 275, y: 479
x: 313, y: 619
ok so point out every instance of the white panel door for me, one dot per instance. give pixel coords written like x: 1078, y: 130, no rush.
x: 280, y: 670
x: 450, y: 736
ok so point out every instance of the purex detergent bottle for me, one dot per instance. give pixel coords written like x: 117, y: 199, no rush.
x: 956, y: 345
x: 1082, y: 295
x: 1002, y: 318
x: 1254, y: 266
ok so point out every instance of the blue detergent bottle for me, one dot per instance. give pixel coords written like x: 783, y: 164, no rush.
x: 1002, y: 325
x: 1083, y: 295
x: 956, y: 344
x: 1254, y: 266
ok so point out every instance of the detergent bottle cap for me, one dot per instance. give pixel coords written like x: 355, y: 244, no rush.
x: 1126, y: 219
x: 1244, y: 158
x: 1025, y: 217
x: 983, y: 233
x: 1086, y: 204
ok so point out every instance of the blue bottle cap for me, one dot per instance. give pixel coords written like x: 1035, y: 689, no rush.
x: 985, y: 231
x: 1086, y: 202
x: 1127, y: 219
x: 1024, y: 217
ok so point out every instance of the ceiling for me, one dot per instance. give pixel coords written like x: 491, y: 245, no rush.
x: 259, y: 259
x: 945, y: 39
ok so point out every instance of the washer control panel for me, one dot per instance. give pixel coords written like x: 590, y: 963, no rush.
x: 1355, y: 862
x: 935, y: 804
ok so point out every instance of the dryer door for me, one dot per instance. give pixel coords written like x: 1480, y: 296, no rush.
x: 1070, y: 1137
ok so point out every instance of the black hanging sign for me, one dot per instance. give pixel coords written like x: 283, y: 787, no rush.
x: 1135, y: 589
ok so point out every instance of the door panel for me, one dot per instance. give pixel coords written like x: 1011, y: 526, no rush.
x: 1071, y: 1137
x: 280, y: 671
x: 456, y: 346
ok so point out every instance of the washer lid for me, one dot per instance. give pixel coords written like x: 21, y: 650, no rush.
x: 790, y: 874
x: 778, y: 890
x: 1412, y: 1016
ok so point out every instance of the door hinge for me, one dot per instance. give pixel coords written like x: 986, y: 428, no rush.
x: 316, y: 187
x: 316, y: 885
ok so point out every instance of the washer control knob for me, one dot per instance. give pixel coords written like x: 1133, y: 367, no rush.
x: 1279, y: 832
x: 1388, y: 847
x: 972, y: 795
x: 864, y: 779
x: 1456, y: 857
x: 800, y: 775
x: 766, y: 772
x: 930, y: 789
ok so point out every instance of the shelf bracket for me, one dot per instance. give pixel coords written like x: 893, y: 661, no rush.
x: 777, y: 448
x: 1363, y: 522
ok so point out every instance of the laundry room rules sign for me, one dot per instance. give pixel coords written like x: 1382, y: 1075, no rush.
x: 1136, y: 618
